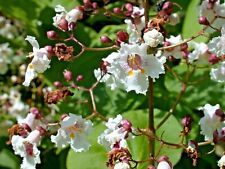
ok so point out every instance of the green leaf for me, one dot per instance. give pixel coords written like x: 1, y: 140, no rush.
x: 8, y: 159
x: 95, y: 158
x: 139, y: 145
x: 191, y: 25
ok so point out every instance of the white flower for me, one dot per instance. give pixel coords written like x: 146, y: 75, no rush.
x: 200, y: 52
x: 122, y: 165
x: 27, y: 148
x: 114, y: 135
x: 221, y: 162
x: 110, y: 79
x: 211, y: 121
x: 74, y: 130
x: 39, y: 63
x: 71, y: 16
x: 176, y: 51
x: 216, y: 45
x: 163, y: 165
x: 136, y: 25
x: 153, y: 38
x: 218, y: 74
x: 217, y: 10
x: 131, y: 67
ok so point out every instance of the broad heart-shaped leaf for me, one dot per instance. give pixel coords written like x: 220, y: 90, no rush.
x: 95, y: 158
x: 170, y: 132
x: 191, y: 25
x: 8, y: 160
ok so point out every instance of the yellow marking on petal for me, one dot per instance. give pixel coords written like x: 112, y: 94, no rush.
x: 30, y: 66
x: 72, y: 135
x: 142, y: 71
x: 30, y: 55
x: 130, y: 73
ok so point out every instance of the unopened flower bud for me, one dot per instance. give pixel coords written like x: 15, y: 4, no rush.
x: 58, y: 84
x: 63, y: 24
x: 94, y: 5
x: 68, y: 75
x: 220, y: 113
x: 151, y: 167
x: 87, y: 4
x: 129, y: 6
x: 213, y: 59
x: 52, y: 35
x: 105, y: 39
x: 126, y: 125
x: 167, y: 7
x: 203, y: 20
x: 122, y: 36
x: 186, y: 121
x: 79, y: 78
x: 117, y: 10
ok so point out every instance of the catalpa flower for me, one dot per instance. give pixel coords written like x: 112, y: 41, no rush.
x: 74, y: 131
x: 216, y: 45
x: 212, y: 120
x: 218, y: 74
x: 136, y: 24
x: 212, y: 12
x: 39, y: 63
x: 132, y: 66
x: 27, y: 148
x: 116, y: 133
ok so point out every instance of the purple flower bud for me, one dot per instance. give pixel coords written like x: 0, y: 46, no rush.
x: 52, y: 35
x: 68, y: 75
x: 167, y: 8
x: 94, y: 5
x: 79, y: 78
x: 184, y: 46
x: 186, y: 121
x: 117, y: 10
x: 221, y: 114
x: 105, y: 39
x: 122, y: 36
x: 129, y: 7
x: 203, y: 20
x: 126, y: 125
x: 58, y: 84
x: 151, y: 167
x: 213, y: 59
